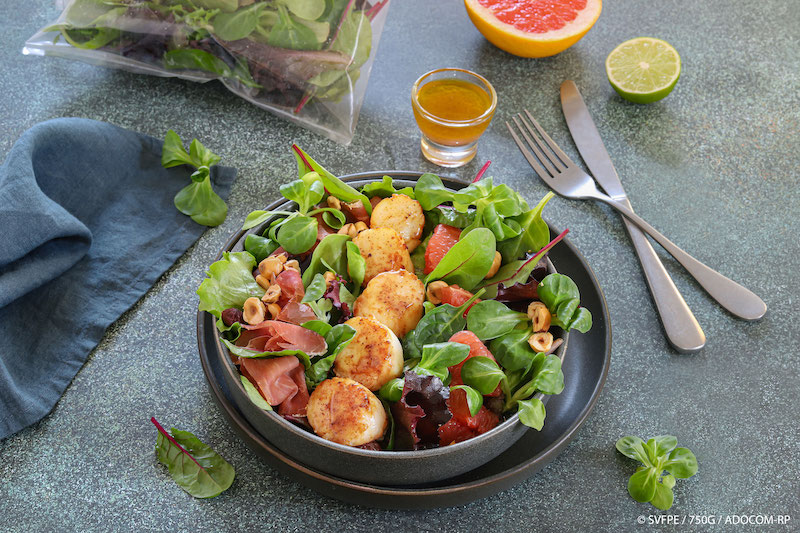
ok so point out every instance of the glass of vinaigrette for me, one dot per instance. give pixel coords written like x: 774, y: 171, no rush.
x: 452, y: 107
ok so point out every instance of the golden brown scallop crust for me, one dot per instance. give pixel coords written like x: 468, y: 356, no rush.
x: 373, y: 357
x: 344, y: 411
x: 383, y: 250
x: 394, y: 299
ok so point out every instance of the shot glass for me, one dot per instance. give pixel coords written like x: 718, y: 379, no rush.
x: 452, y: 107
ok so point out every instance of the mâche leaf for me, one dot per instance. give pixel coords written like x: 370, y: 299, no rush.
x: 298, y: 234
x: 532, y: 413
x: 436, y: 358
x: 198, y: 200
x: 650, y: 483
x: 560, y: 294
x: 474, y: 398
x: 194, y: 466
x: 385, y: 188
x: 482, y: 374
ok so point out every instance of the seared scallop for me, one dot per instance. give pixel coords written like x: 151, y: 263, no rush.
x: 402, y: 214
x: 383, y: 250
x: 373, y: 357
x: 345, y: 411
x: 393, y: 299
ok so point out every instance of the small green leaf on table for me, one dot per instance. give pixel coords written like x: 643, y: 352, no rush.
x: 194, y: 466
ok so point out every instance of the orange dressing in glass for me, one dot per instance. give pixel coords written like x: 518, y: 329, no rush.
x: 453, y: 100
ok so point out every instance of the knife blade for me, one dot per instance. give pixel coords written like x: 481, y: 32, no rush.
x: 680, y: 326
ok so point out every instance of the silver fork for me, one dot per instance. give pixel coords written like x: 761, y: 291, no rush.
x: 566, y: 178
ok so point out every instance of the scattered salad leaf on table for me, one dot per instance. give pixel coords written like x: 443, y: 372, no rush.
x: 194, y: 466
x: 650, y: 483
x: 197, y: 200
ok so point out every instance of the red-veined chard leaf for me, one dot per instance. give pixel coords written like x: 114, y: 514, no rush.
x: 194, y: 466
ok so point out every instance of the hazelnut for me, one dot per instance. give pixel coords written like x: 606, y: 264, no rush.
x: 272, y: 294
x: 495, y: 265
x: 263, y: 282
x: 434, y: 291
x: 231, y: 315
x: 254, y: 311
x: 541, y: 342
x: 540, y: 315
x: 360, y: 226
x: 348, y: 229
x: 292, y: 265
x: 329, y: 277
x: 334, y: 202
x: 271, y: 266
x: 274, y: 310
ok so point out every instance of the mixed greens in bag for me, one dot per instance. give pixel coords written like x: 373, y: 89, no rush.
x: 305, y: 60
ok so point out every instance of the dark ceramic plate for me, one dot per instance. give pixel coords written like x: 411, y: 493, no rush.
x: 585, y: 368
x: 356, y: 464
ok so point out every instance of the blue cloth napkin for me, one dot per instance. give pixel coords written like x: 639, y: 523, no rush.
x: 87, y: 225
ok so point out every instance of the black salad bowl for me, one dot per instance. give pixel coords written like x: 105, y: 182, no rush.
x: 389, y: 468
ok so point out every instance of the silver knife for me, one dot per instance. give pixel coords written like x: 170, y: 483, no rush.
x: 682, y: 330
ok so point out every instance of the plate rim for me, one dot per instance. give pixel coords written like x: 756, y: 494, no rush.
x: 499, y: 481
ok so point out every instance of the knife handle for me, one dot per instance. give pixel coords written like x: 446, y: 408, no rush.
x: 738, y: 300
x: 680, y: 326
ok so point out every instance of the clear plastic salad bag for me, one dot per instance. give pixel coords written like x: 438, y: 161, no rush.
x: 304, y: 60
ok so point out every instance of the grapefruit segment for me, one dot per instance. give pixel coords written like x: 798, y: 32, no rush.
x: 533, y: 28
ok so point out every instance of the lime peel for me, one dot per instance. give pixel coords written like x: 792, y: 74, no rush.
x: 643, y: 70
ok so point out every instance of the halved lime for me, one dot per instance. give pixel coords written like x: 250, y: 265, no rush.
x: 643, y: 70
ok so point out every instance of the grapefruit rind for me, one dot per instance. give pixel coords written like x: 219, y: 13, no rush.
x: 666, y: 66
x: 525, y: 44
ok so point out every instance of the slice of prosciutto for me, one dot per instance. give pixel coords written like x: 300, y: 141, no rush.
x: 296, y: 313
x: 291, y: 284
x: 272, y: 335
x: 281, y: 381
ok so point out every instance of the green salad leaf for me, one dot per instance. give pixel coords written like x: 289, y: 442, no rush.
x: 436, y: 358
x: 561, y: 296
x: 229, y: 283
x: 252, y: 354
x: 254, y: 395
x: 194, y: 466
x: 331, y: 251
x: 662, y: 463
x: 532, y: 413
x: 489, y: 319
x: 468, y: 261
x: 385, y: 188
x: 474, y: 398
x: 337, y: 338
x: 198, y: 199
x: 333, y: 185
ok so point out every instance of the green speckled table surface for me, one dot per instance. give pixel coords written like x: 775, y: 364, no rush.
x: 714, y: 166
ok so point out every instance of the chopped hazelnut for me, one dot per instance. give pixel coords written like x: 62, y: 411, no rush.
x: 292, y: 265
x: 254, y: 311
x: 271, y: 266
x: 434, y: 290
x: 495, y: 265
x: 334, y: 202
x: 541, y: 342
x: 274, y: 310
x: 540, y: 316
x: 272, y: 294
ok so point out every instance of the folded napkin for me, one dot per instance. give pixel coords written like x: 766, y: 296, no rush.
x: 87, y: 225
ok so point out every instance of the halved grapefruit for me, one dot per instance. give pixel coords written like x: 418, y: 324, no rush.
x: 533, y: 28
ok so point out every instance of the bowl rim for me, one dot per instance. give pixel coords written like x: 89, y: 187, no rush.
x: 507, y: 425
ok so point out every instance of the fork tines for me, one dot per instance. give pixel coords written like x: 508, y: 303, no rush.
x: 553, y: 159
